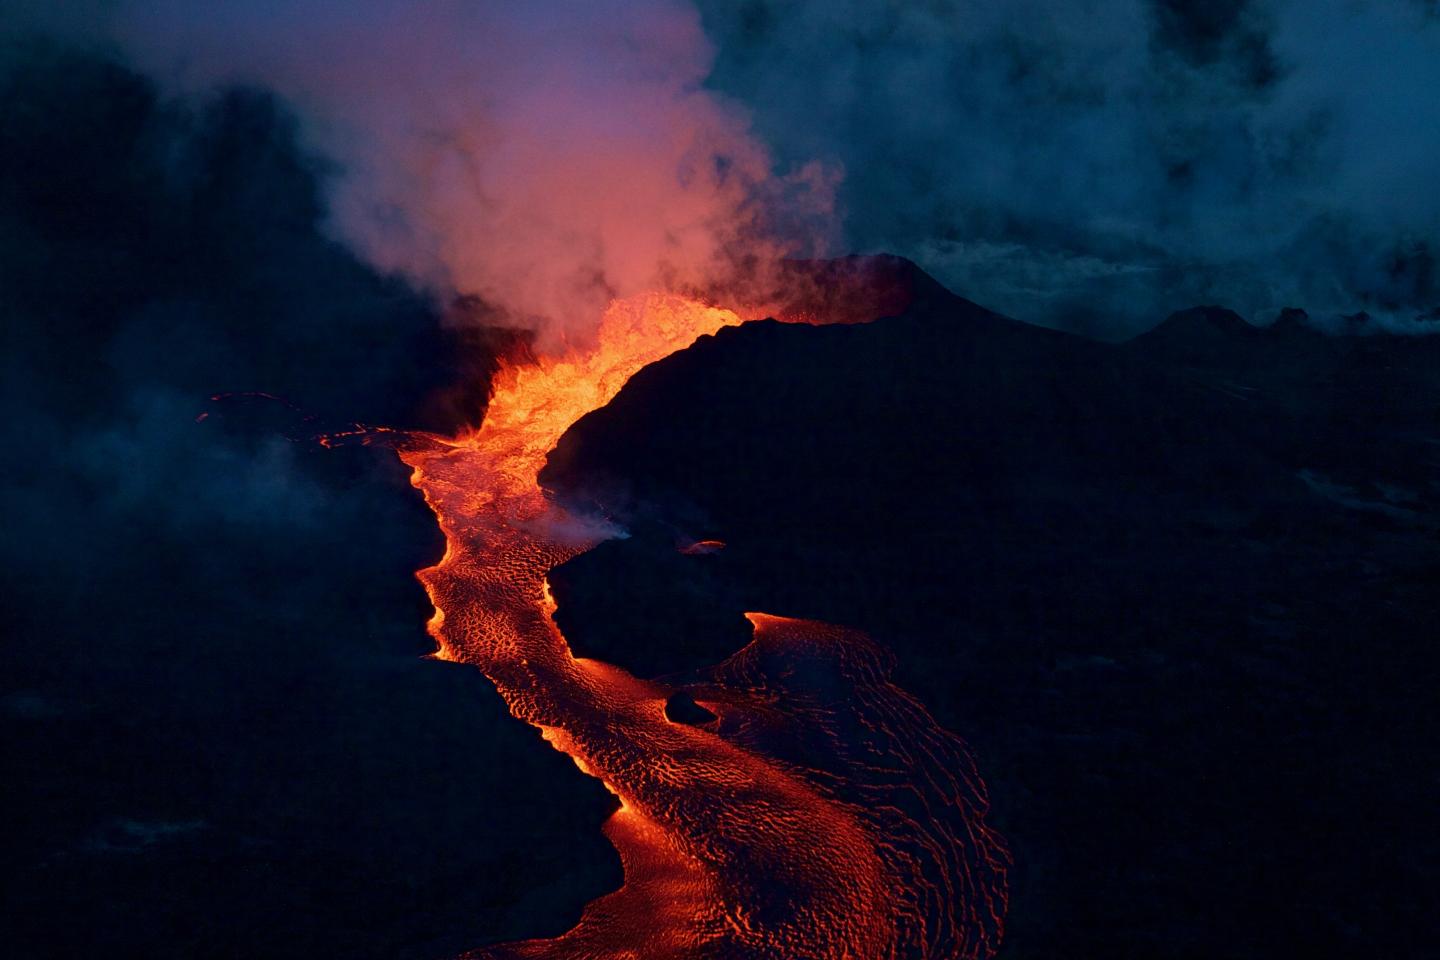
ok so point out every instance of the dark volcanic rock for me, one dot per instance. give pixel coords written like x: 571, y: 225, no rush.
x: 1179, y: 593
x: 1291, y: 320
x: 1197, y: 328
x: 682, y: 708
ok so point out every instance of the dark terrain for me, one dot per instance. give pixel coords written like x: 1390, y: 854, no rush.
x: 1178, y: 593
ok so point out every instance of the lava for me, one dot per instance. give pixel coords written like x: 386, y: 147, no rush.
x: 822, y: 814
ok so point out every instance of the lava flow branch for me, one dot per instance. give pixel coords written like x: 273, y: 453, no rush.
x: 806, y: 820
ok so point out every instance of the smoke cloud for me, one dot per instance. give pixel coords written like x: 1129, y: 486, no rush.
x: 1098, y: 164
x: 1092, y: 165
x: 545, y: 157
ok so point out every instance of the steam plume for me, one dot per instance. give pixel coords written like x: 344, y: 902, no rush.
x: 1090, y: 164
x: 543, y: 156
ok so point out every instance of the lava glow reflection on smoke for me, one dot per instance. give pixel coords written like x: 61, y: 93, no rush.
x: 833, y: 820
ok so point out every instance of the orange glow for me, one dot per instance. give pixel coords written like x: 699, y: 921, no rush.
x: 781, y: 833
x: 701, y: 548
x: 531, y: 406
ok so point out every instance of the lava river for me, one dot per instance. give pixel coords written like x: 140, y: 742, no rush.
x: 821, y: 814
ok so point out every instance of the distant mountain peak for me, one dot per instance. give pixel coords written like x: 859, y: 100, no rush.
x: 1205, y: 321
x: 1199, y: 334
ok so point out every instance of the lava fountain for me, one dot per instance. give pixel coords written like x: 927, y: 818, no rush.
x: 821, y: 814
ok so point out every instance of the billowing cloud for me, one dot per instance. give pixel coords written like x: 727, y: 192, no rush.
x: 1088, y: 164
x: 544, y: 157
x: 1100, y: 163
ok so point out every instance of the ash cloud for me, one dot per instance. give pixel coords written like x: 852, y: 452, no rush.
x: 1096, y: 165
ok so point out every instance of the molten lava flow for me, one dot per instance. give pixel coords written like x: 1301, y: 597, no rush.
x: 822, y: 814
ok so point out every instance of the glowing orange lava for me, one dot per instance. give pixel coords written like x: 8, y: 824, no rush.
x: 829, y: 819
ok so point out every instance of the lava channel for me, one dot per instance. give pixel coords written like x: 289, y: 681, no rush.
x: 821, y: 813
